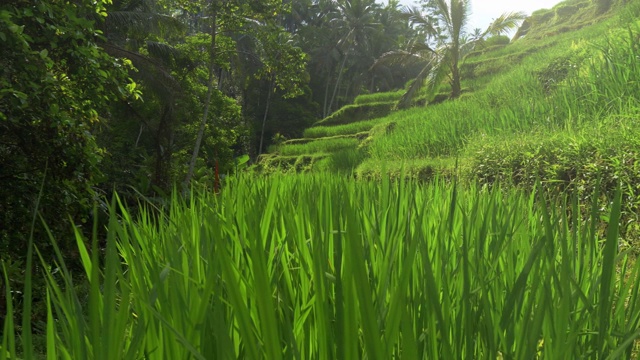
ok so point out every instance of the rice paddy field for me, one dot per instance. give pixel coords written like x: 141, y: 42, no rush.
x: 565, y: 78
x: 323, y: 267
x: 500, y: 225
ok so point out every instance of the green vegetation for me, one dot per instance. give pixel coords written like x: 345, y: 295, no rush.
x: 581, y: 84
x: 353, y: 113
x: 328, y: 144
x: 346, y: 129
x: 384, y: 97
x: 402, y: 270
x: 494, y: 217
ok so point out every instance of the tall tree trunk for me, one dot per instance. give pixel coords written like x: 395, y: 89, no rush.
x: 203, y: 123
x: 326, y: 96
x: 456, y: 87
x: 163, y: 150
x: 335, y: 89
x: 266, y: 112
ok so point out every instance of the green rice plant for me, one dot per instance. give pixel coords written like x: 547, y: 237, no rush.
x: 563, y: 94
x: 422, y: 170
x: 290, y: 164
x: 392, y: 96
x: 318, y: 146
x: 345, y: 161
x: 336, y: 130
x: 442, y: 130
x: 360, y: 135
x: 354, y: 113
x: 8, y: 347
x: 324, y: 267
x: 611, y: 81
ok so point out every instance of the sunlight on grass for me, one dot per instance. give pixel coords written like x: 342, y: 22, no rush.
x: 403, y: 270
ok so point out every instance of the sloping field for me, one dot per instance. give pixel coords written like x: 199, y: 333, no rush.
x: 570, y: 75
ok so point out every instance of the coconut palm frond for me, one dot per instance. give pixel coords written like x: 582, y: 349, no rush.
x: 414, y: 88
x: 143, y: 21
x: 415, y: 16
x: 437, y: 76
x: 430, y: 77
x: 419, y: 47
x: 396, y: 57
x: 458, y: 18
x: 444, y: 11
x: 385, y: 73
x: 504, y: 23
x: 468, y: 46
x: 162, y: 52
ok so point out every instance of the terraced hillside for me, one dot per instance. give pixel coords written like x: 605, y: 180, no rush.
x: 548, y: 105
x: 337, y: 143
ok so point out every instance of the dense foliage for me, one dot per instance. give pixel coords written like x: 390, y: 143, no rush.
x: 215, y: 81
x: 55, y: 83
x: 160, y: 105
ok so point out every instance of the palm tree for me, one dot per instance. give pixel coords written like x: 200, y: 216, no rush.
x: 356, y: 20
x: 446, y: 43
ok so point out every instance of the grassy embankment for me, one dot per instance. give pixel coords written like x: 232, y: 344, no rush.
x: 568, y: 88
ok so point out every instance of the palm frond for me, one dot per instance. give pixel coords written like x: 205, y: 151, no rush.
x: 459, y: 15
x: 164, y: 53
x: 437, y: 76
x: 415, y: 86
x: 430, y: 77
x: 415, y: 16
x: 142, y: 21
x: 170, y: 56
x: 504, y: 23
x: 419, y: 47
x: 398, y: 57
x: 443, y: 11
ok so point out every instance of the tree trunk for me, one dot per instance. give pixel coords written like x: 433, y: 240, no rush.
x: 266, y: 112
x: 326, y: 96
x: 456, y: 87
x: 163, y: 150
x: 203, y: 123
x: 335, y: 89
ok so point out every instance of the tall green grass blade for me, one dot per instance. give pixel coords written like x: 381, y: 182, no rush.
x: 608, y: 273
x: 51, y: 331
x: 370, y: 327
x: 27, y: 341
x: 8, y: 349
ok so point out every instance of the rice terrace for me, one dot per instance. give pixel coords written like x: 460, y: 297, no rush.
x: 318, y: 179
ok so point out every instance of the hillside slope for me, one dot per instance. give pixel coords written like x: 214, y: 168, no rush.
x: 556, y: 103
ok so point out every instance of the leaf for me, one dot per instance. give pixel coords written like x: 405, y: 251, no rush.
x: 241, y: 160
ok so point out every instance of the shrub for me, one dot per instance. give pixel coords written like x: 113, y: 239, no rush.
x: 607, y: 154
x: 497, y: 40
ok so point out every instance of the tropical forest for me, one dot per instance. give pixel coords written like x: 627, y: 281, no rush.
x: 319, y: 179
